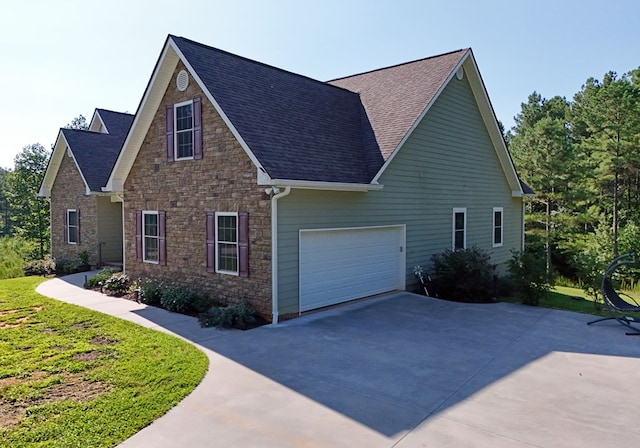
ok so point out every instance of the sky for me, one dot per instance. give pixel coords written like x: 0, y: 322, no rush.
x: 60, y: 59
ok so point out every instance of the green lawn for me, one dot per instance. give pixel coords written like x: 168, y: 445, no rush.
x: 566, y: 298
x: 74, y: 377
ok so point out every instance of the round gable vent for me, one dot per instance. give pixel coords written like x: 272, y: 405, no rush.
x: 182, y: 80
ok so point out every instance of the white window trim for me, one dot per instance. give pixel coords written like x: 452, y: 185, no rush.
x: 144, y: 236
x: 493, y: 228
x: 217, y: 227
x: 175, y: 130
x: 69, y: 226
x: 462, y: 210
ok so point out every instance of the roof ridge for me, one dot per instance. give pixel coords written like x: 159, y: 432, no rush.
x: 253, y: 61
x: 400, y: 64
x: 87, y: 131
x: 114, y: 111
x: 323, y: 123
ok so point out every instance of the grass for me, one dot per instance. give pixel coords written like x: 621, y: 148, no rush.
x: 74, y: 377
x: 567, y: 299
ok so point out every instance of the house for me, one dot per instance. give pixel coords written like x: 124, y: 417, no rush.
x: 83, y: 217
x: 247, y: 181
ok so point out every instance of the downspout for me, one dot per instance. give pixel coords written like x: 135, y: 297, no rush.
x: 274, y: 250
x: 6, y: 220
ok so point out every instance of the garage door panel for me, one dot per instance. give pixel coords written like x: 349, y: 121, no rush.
x: 345, y: 264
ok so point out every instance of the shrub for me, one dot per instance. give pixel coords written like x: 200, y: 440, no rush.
x: 203, y: 303
x: 44, y: 266
x: 464, y: 275
x: 84, y: 258
x: 529, y: 275
x: 505, y: 286
x: 15, y: 252
x: 11, y: 265
x: 101, y: 277
x: 70, y: 266
x: 217, y: 316
x: 239, y: 315
x: 117, y: 284
x: 178, y: 299
x: 65, y: 266
x: 149, y: 291
x: 590, y: 269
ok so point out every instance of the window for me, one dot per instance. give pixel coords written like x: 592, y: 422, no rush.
x: 497, y: 226
x: 72, y: 226
x: 184, y: 130
x: 459, y: 237
x: 150, y: 237
x: 228, y: 243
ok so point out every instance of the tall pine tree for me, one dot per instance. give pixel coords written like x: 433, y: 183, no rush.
x: 606, y: 121
x: 541, y: 145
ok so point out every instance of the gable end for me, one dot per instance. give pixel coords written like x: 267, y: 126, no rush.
x: 467, y: 68
x: 162, y: 76
x: 55, y: 160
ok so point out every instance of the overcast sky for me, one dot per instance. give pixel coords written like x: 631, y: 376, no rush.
x: 62, y: 61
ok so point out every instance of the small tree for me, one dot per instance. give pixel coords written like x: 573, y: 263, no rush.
x: 29, y: 213
x: 528, y: 273
x: 4, y: 203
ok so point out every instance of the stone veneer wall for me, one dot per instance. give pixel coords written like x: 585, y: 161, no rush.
x: 223, y: 180
x: 68, y: 192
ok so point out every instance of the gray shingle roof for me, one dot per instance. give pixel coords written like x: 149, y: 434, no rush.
x: 95, y: 152
x: 303, y: 129
x: 395, y: 97
x: 297, y: 127
x: 526, y: 188
x: 117, y: 123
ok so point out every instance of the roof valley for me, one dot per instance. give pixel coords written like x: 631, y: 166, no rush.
x: 337, y: 131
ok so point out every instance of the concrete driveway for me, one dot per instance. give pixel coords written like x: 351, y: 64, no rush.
x: 404, y: 371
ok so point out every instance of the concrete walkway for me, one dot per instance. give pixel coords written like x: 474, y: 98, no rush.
x: 398, y: 371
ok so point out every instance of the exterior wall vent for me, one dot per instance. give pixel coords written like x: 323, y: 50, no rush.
x: 182, y: 80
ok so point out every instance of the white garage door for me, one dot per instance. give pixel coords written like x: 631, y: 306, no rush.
x: 338, y: 265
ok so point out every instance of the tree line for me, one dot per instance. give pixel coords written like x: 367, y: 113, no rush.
x: 22, y: 213
x: 582, y: 158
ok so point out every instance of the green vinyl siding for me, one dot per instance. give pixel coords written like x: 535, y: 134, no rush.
x: 109, y: 229
x: 447, y: 162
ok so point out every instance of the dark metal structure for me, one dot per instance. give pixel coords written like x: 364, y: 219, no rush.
x: 614, y: 301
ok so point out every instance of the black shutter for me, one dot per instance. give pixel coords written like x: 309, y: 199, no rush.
x: 169, y: 129
x: 197, y: 128
x: 211, y: 241
x: 243, y: 244
x: 162, y: 241
x: 139, y: 235
x: 78, y: 226
x: 65, y: 225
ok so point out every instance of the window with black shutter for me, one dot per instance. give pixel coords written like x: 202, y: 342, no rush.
x: 227, y: 243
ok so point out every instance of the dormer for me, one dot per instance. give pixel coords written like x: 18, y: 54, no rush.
x: 97, y: 123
